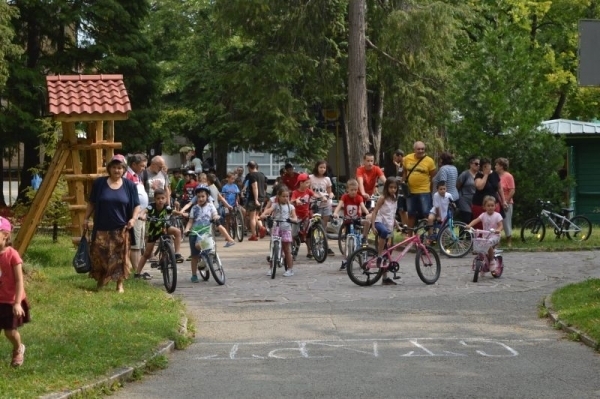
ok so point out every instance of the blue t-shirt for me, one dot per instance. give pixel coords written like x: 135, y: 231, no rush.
x: 230, y: 192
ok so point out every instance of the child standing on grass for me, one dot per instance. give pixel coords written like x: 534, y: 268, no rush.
x: 283, y: 210
x: 383, y: 218
x: 14, y: 308
x: 354, y: 207
x: 490, y: 220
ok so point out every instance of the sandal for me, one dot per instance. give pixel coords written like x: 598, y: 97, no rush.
x: 309, y: 256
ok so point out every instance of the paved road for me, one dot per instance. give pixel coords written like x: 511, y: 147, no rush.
x: 318, y: 335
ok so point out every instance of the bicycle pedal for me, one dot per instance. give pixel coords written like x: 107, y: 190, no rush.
x: 154, y: 265
x: 396, y: 277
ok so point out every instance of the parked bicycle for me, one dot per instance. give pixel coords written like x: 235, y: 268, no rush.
x: 165, y: 250
x: 482, y: 242
x: 362, y: 265
x: 450, y: 236
x: 208, y: 255
x: 577, y: 228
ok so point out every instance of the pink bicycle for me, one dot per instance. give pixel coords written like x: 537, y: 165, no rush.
x: 363, y: 269
x: 483, y: 240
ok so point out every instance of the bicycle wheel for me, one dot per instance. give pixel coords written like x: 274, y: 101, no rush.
x: 239, y: 225
x: 533, y: 230
x: 318, y: 242
x: 477, y: 265
x: 350, y: 244
x: 342, y: 233
x: 454, y: 241
x: 169, y: 267
x: 275, y: 254
x: 216, y: 268
x: 428, y: 265
x: 357, y: 267
x: 204, y: 272
x: 579, y: 228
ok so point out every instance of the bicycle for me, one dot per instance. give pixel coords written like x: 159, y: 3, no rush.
x: 481, y: 244
x: 167, y: 263
x: 236, y: 222
x: 350, y: 236
x: 208, y: 254
x: 578, y: 227
x: 276, y: 255
x: 313, y: 230
x: 363, y: 270
x: 450, y: 235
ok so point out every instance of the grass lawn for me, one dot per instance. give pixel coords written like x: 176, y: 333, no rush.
x: 77, y: 334
x: 578, y: 305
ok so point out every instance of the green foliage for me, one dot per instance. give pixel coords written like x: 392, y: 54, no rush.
x: 57, y: 211
x: 578, y: 305
x: 7, y: 48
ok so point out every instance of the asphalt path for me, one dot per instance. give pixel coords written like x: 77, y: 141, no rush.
x: 316, y: 334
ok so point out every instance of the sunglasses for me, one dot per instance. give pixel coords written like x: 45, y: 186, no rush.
x: 475, y: 163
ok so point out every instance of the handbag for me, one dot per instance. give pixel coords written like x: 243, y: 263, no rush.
x: 82, y: 261
x: 404, y: 185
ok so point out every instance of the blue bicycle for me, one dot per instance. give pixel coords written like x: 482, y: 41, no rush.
x: 451, y: 237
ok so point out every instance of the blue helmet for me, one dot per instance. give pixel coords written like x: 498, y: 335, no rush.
x: 202, y: 187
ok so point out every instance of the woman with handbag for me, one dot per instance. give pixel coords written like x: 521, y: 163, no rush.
x: 115, y: 204
x: 487, y: 182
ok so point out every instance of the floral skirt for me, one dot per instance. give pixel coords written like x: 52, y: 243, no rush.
x: 108, y: 252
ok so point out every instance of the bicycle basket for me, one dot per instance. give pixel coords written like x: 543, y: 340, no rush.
x: 481, y: 245
x: 205, y: 242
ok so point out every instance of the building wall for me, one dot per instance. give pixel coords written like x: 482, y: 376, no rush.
x: 586, y: 164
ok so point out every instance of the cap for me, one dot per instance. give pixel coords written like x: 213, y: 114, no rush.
x: 302, y: 177
x: 289, y: 166
x: 118, y: 158
x: 5, y: 225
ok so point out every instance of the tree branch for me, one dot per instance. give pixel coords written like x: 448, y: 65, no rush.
x: 386, y: 55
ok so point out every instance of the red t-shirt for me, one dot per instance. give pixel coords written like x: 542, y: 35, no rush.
x: 369, y: 177
x: 290, y: 181
x: 352, y: 205
x: 303, y: 210
x: 8, y: 260
x: 188, y: 190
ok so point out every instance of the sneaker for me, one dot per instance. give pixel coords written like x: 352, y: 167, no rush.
x: 154, y: 265
x: 18, y: 356
x: 268, y: 259
x: 253, y: 238
x: 195, y: 279
x: 288, y: 273
x: 330, y: 252
x: 364, y: 242
x: 269, y: 272
x: 178, y: 258
x: 229, y: 244
x: 262, y: 232
x: 309, y: 256
x: 343, y: 266
x: 189, y: 258
x: 388, y: 281
x: 143, y: 276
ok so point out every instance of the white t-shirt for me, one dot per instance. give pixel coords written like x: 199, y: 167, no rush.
x: 202, y: 215
x: 283, y: 212
x: 156, y: 181
x: 197, y: 164
x: 442, y: 204
x: 386, y: 213
x: 214, y: 194
x: 320, y: 185
x: 490, y: 221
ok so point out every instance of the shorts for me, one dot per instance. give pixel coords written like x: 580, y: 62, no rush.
x: 419, y: 205
x: 382, y: 231
x: 8, y: 321
x: 139, y: 230
x: 401, y: 204
x: 194, y: 251
x: 286, y: 235
x: 325, y: 211
x: 252, y: 207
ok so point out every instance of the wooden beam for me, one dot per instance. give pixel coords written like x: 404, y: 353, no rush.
x: 90, y: 117
x: 96, y: 146
x: 83, y: 177
x: 40, y: 201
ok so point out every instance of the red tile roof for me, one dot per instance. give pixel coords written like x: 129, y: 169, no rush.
x: 87, y: 94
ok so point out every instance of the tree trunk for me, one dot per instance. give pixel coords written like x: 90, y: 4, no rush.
x: 375, y: 125
x: 358, y: 134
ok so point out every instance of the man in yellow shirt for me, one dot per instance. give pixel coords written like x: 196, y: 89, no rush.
x: 419, y: 170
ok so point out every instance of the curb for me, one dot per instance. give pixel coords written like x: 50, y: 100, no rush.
x: 122, y: 375
x: 568, y: 329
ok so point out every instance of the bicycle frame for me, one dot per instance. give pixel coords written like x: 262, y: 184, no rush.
x: 392, y: 263
x: 550, y: 217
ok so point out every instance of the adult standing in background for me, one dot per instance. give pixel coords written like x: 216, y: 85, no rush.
x: 487, y: 183
x: 196, y: 164
x: 419, y: 169
x: 115, y: 204
x: 290, y: 177
x: 396, y: 170
x: 448, y: 173
x: 466, y: 187
x: 155, y: 177
x: 256, y: 195
x: 137, y: 165
x: 508, y: 188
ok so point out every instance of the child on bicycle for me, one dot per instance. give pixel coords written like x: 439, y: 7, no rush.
x: 230, y: 192
x: 321, y: 183
x: 383, y: 218
x: 159, y: 209
x: 354, y: 207
x: 200, y: 217
x: 301, y: 200
x: 282, y: 209
x: 441, y: 201
x: 491, y: 221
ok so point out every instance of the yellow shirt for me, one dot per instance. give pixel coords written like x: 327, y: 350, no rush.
x: 419, y: 181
